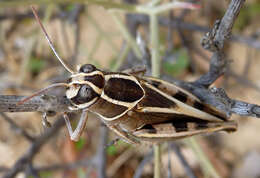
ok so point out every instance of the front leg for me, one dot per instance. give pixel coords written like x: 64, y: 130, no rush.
x: 123, y: 134
x: 75, y: 135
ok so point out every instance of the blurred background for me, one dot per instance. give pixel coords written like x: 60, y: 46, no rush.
x: 93, y: 34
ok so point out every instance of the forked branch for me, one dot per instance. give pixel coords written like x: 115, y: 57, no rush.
x: 214, y: 41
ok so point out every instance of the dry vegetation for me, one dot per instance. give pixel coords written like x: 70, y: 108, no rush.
x: 88, y: 34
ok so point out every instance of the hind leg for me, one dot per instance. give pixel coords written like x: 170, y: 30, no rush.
x: 123, y: 134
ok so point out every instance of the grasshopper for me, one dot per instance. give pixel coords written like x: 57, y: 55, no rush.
x: 137, y: 107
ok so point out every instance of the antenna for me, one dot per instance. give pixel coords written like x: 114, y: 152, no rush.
x: 49, y: 41
x: 42, y: 91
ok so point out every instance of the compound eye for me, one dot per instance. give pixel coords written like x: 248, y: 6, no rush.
x: 87, y: 68
x: 85, y: 95
x: 86, y: 92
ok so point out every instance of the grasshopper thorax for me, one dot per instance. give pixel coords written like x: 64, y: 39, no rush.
x: 85, y: 86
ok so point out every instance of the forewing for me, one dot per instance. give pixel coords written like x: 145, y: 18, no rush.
x: 179, y: 101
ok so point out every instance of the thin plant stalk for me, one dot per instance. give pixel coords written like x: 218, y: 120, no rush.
x: 104, y: 34
x: 157, y: 161
x: 155, y: 45
x: 150, y: 9
x: 207, y: 167
x: 121, y: 58
x: 127, y: 35
x: 94, y: 48
x: 156, y: 73
x: 102, y: 3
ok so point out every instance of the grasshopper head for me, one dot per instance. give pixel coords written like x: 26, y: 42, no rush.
x: 85, y: 86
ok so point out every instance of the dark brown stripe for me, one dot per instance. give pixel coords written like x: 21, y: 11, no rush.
x: 205, y: 108
x: 201, y: 125
x: 154, y: 99
x: 85, y: 95
x: 198, y: 105
x: 123, y: 90
x: 156, y: 84
x: 218, y: 116
x: 97, y: 80
x: 181, y: 96
x: 107, y: 109
x: 69, y: 80
x: 149, y: 128
x: 180, y: 126
x: 180, y: 122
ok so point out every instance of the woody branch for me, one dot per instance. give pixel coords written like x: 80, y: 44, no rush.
x: 214, y: 41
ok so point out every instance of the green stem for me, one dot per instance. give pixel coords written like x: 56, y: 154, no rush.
x: 157, y: 161
x: 154, y: 3
x: 207, y: 167
x: 156, y: 73
x: 104, y: 3
x: 149, y: 9
x: 155, y: 45
x: 172, y: 5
